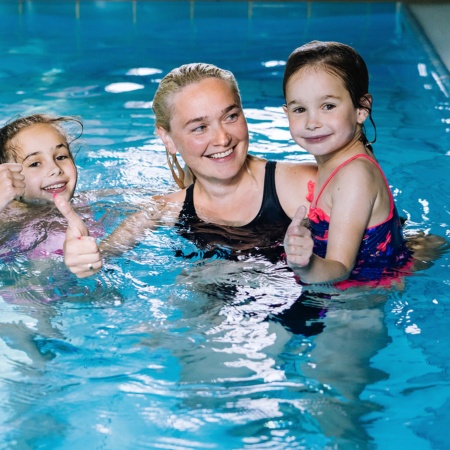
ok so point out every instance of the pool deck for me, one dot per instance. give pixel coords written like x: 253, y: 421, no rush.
x: 434, y: 18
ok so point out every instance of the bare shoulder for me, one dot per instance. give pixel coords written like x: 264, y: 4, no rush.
x: 168, y: 199
x: 360, y: 172
x: 296, y: 173
x: 291, y: 180
x: 167, y: 207
x: 297, y: 168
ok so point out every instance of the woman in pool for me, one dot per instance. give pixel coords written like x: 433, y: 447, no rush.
x: 199, y: 115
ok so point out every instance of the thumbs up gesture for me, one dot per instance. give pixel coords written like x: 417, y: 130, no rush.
x: 81, y: 252
x: 12, y: 183
x: 298, y: 242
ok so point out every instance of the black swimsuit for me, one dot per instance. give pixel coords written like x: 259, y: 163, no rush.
x: 261, y: 236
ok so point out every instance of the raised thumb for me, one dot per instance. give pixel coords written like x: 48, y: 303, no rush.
x: 76, y: 226
x: 300, y: 215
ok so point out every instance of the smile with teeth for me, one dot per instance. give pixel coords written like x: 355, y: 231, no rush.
x: 54, y: 187
x: 222, y: 154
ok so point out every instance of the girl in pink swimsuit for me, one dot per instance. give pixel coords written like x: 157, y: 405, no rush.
x: 354, y: 232
x: 36, y: 163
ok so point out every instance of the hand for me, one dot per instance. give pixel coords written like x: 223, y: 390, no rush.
x: 298, y: 242
x: 12, y: 183
x: 81, y: 252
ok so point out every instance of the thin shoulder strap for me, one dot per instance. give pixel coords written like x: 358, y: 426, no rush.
x: 360, y: 155
x: 188, y: 204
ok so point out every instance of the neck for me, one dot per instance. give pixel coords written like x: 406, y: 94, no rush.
x: 354, y: 147
x: 232, y: 202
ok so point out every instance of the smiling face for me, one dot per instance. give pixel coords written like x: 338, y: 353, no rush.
x: 321, y: 114
x: 47, y: 163
x: 208, y: 129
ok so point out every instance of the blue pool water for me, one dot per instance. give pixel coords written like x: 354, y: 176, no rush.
x: 160, y: 352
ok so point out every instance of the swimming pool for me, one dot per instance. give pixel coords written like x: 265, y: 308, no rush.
x: 163, y: 352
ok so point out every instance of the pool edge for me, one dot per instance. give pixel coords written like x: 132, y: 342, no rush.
x: 431, y: 19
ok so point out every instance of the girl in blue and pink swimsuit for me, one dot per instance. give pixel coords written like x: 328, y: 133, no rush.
x: 354, y: 232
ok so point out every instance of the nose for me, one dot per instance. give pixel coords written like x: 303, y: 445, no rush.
x: 55, y: 169
x: 222, y: 137
x: 312, y: 121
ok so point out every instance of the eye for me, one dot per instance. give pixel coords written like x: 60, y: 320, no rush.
x: 62, y: 157
x: 232, y: 117
x: 34, y: 164
x: 199, y: 129
x: 329, y: 107
x: 298, y: 110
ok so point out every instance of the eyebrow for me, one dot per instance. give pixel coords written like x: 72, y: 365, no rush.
x: 203, y: 118
x: 323, y: 98
x: 57, y: 147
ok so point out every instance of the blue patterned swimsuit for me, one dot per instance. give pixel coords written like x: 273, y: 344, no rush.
x: 383, y: 248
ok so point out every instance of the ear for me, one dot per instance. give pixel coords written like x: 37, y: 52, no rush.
x: 285, y: 109
x: 167, y: 140
x: 363, y: 113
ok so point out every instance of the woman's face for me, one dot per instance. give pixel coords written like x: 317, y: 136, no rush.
x: 209, y: 130
x: 47, y: 163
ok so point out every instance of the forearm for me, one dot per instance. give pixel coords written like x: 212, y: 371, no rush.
x: 320, y: 270
x: 123, y: 238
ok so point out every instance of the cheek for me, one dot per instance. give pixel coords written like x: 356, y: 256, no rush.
x: 243, y: 132
x: 32, y: 182
x: 73, y: 172
x: 293, y: 120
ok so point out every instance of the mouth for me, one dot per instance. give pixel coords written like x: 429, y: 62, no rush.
x: 55, y: 188
x: 315, y: 139
x: 222, y: 154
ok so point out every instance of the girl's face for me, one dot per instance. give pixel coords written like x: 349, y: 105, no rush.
x: 208, y: 129
x: 322, y: 117
x: 47, y: 163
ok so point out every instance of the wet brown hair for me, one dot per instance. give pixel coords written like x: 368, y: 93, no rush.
x: 340, y: 60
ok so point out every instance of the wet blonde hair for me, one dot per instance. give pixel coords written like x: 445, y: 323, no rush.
x: 173, y: 83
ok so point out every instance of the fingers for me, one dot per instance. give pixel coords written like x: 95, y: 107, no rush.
x: 76, y: 226
x: 82, y: 256
x: 12, y: 183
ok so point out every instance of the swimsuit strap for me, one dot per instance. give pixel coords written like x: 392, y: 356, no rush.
x: 359, y: 155
x: 188, y: 204
x: 270, y: 211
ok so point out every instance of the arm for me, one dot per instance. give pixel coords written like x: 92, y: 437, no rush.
x: 82, y: 254
x: 12, y: 183
x: 354, y: 199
